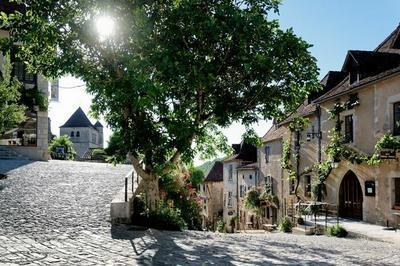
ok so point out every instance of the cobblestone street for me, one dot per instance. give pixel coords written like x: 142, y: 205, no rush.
x: 57, y: 213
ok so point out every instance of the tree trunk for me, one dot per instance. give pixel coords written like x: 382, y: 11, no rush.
x: 152, y: 193
x: 148, y: 184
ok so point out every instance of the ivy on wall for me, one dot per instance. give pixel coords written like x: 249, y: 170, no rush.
x: 297, y: 125
x: 336, y: 151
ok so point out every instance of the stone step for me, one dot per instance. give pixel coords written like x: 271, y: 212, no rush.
x: 10, y: 154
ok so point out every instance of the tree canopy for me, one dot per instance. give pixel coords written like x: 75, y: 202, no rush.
x: 174, y: 71
x: 11, y: 111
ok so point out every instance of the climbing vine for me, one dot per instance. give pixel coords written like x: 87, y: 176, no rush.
x: 297, y: 125
x: 336, y: 150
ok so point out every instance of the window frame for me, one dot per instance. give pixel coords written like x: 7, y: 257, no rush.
x: 292, y: 186
x: 21, y: 73
x: 307, y: 184
x: 267, y: 151
x: 396, y: 184
x: 396, y: 130
x: 349, y: 128
x: 230, y: 172
x: 230, y: 196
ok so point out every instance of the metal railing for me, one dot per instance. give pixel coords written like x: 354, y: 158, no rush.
x: 133, y: 178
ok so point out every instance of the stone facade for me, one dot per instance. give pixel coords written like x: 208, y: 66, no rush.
x: 38, y: 151
x: 83, y: 134
x: 211, y: 192
x: 373, y: 77
x: 241, y: 164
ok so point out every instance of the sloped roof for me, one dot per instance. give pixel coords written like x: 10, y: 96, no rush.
x: 249, y: 166
x: 98, y: 124
x: 274, y: 133
x: 216, y: 172
x: 78, y: 119
x: 308, y: 107
x: 370, y: 65
x: 369, y: 62
x: 391, y: 43
x: 302, y: 111
x: 344, y: 87
x: 243, y: 151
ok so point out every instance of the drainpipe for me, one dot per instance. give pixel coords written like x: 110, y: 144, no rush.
x: 320, y: 133
x: 237, y: 200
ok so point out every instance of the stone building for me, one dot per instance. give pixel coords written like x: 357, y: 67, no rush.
x: 239, y: 165
x: 211, y: 192
x: 358, y: 104
x: 83, y: 134
x: 30, y: 139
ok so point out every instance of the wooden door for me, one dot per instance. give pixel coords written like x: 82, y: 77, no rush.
x: 351, y: 197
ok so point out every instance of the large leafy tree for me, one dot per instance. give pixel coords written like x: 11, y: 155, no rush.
x: 173, y: 71
x: 11, y: 111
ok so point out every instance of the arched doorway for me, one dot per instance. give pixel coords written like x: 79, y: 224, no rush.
x: 350, y: 197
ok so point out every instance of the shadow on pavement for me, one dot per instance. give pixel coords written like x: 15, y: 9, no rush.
x: 154, y: 247
x: 7, y: 165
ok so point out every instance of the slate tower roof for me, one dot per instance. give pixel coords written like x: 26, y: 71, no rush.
x: 78, y: 119
x: 98, y: 124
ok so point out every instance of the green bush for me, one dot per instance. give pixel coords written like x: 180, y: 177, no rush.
x: 285, y: 225
x: 220, y: 226
x: 252, y: 199
x: 190, y: 213
x: 166, y: 218
x: 65, y: 143
x: 337, y: 231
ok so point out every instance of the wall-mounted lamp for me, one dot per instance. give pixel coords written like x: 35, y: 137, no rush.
x: 311, y: 135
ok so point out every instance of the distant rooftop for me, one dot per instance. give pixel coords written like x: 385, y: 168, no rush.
x: 78, y: 119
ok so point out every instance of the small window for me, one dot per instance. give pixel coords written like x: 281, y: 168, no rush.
x: 229, y: 198
x: 72, y: 134
x: 267, y: 154
x: 268, y: 215
x: 250, y: 177
x: 397, y: 192
x: 243, y: 176
x: 78, y: 134
x: 230, y: 172
x: 269, y: 184
x: 307, y: 179
x: 348, y: 128
x: 292, y: 186
x: 396, y: 119
x: 241, y: 191
x: 20, y: 72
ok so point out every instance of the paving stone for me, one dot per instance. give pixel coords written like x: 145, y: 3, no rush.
x: 57, y: 213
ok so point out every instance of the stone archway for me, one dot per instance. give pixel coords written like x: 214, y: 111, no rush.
x: 350, y: 197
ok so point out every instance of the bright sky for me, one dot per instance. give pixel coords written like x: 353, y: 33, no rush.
x: 333, y: 27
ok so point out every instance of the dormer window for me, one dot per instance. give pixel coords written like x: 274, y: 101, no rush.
x: 354, y: 77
